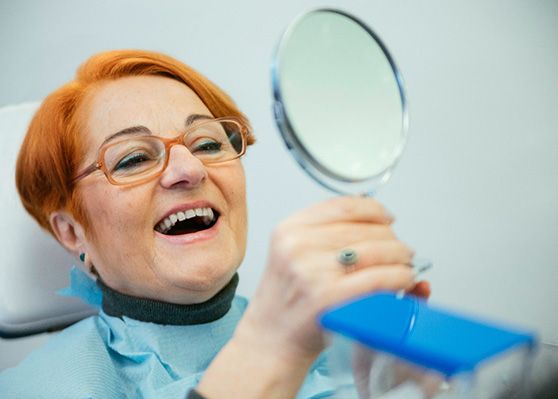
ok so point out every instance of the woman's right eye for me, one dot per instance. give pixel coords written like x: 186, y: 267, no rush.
x: 132, y: 160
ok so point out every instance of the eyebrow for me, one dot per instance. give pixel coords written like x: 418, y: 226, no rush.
x: 196, y: 117
x: 135, y: 130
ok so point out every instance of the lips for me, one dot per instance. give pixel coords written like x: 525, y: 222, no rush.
x: 187, y: 220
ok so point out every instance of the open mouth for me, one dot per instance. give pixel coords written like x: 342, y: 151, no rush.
x: 188, y: 221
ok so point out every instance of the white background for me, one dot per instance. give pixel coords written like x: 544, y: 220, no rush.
x: 477, y: 188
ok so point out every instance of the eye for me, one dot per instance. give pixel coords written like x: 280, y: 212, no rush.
x: 132, y: 160
x: 207, y: 146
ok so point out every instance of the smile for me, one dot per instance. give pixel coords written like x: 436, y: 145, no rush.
x: 188, y: 221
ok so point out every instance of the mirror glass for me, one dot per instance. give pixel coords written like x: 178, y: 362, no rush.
x: 339, y: 101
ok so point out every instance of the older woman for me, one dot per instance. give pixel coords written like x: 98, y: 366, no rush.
x: 135, y: 168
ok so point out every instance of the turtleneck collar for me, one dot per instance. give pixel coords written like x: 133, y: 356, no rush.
x: 118, y: 304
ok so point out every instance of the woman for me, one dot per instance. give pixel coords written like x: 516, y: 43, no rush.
x: 135, y: 168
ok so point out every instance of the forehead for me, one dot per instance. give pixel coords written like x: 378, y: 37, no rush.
x: 158, y: 103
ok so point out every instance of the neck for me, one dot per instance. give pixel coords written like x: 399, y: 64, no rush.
x: 151, y: 310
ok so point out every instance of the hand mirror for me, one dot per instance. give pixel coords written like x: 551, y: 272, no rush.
x: 339, y: 101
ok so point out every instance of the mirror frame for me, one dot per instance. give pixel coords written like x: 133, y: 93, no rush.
x: 320, y: 173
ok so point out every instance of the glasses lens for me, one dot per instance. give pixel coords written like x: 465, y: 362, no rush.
x: 134, y: 159
x: 216, y: 141
x: 139, y: 158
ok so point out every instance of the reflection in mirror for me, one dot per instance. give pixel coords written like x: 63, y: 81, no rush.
x: 339, y: 101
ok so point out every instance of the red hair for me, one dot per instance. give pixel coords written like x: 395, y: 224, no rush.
x: 52, y: 148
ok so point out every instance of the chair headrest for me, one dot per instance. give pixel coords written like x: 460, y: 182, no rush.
x: 33, y: 265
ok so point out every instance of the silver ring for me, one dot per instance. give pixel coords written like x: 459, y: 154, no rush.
x: 347, y: 257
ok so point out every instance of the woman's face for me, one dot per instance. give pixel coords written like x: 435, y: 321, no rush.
x: 122, y: 243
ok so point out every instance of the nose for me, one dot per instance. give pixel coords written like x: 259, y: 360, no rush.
x: 183, y: 169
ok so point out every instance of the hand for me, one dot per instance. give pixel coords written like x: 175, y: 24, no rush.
x: 303, y: 276
x: 278, y: 338
x: 363, y: 360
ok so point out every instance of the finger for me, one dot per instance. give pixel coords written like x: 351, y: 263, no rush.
x: 373, y: 253
x: 372, y: 279
x: 421, y: 290
x: 343, y: 209
x: 333, y: 237
x: 369, y: 254
x: 343, y: 233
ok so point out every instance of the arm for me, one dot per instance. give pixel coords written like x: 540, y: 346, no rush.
x: 278, y: 338
x: 245, y: 369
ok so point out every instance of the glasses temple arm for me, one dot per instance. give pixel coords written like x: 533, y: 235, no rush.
x: 86, y: 172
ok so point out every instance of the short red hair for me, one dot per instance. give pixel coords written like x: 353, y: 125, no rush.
x: 51, y: 151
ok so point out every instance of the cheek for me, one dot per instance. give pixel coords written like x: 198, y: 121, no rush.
x: 237, y: 199
x: 236, y: 188
x: 231, y: 183
x: 113, y: 212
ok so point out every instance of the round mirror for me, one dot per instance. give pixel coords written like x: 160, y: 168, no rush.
x: 339, y: 101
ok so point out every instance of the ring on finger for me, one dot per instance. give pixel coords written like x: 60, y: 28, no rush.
x: 347, y: 257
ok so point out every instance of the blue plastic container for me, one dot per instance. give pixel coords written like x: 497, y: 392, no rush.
x: 387, y: 346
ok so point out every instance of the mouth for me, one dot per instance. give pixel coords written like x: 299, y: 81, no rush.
x: 187, y: 221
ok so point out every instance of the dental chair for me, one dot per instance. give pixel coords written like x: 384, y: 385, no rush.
x: 33, y: 266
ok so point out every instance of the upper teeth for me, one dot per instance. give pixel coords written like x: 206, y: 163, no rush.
x: 205, y: 213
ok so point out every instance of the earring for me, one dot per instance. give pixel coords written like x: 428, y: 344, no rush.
x: 92, y: 269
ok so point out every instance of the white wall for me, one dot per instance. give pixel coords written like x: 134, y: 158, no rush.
x: 476, y: 190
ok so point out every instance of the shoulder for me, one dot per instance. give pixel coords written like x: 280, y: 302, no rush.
x: 73, y: 363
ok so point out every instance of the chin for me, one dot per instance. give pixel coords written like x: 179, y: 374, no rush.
x: 203, y: 278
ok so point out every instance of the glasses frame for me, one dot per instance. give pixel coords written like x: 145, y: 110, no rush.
x: 168, y: 142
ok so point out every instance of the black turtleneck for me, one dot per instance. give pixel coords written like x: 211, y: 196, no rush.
x: 155, y: 311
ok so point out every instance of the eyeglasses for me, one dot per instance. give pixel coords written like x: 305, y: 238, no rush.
x: 139, y: 159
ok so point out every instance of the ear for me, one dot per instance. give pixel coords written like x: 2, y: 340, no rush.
x: 68, y: 231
